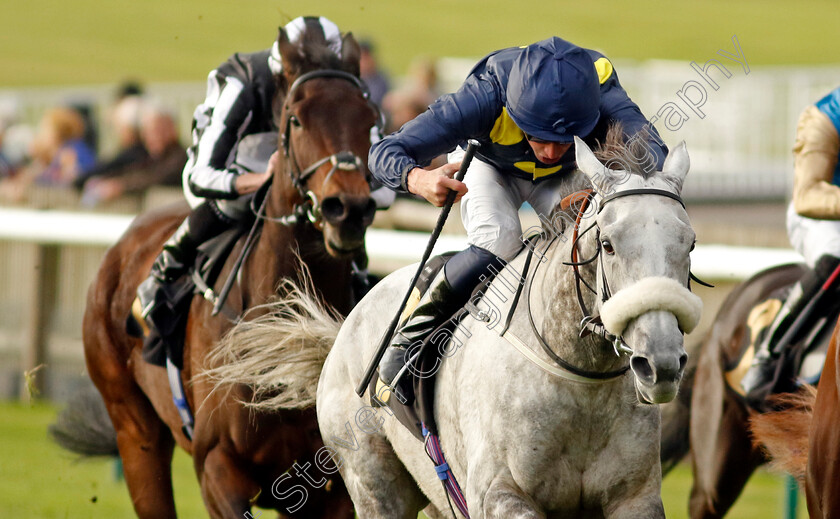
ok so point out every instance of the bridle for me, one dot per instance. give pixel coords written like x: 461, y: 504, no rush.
x: 310, y: 207
x: 591, y: 324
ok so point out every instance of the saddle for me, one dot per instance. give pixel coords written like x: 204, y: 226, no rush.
x: 165, y: 340
x: 418, y: 406
x: 416, y: 411
x: 802, y: 362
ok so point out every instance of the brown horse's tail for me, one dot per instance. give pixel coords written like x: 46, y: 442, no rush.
x: 279, y: 355
x: 84, y: 426
x: 783, y: 435
x: 676, y: 416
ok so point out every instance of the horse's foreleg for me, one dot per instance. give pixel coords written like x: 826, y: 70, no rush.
x: 505, y: 499
x: 227, y: 489
x: 647, y: 505
x: 721, y: 472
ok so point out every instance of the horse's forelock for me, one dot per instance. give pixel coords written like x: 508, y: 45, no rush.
x: 632, y: 154
x: 314, y: 53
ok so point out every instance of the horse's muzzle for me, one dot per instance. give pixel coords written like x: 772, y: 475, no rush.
x: 346, y: 218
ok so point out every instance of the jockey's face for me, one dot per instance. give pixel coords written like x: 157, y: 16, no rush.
x: 548, y: 152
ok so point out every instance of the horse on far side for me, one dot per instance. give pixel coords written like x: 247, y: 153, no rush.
x: 804, y: 439
x: 241, y: 455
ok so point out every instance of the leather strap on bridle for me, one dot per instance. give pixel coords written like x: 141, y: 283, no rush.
x: 592, y: 323
x: 343, y: 160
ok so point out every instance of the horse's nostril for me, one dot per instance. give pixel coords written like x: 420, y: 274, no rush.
x: 333, y: 209
x: 641, y: 367
x: 369, y: 211
x: 683, y: 361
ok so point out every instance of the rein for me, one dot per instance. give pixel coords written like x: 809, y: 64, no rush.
x: 590, y: 323
x: 310, y: 207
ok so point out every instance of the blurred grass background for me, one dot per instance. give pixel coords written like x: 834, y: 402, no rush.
x: 39, y: 480
x: 45, y: 42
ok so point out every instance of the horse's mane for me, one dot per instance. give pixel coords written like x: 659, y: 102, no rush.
x: 628, y: 153
x: 618, y: 152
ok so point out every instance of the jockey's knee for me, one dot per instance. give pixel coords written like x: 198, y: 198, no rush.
x: 466, y: 268
x: 236, y: 210
x: 502, y: 239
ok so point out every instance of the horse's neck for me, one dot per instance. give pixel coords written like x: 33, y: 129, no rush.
x: 279, y: 254
x: 554, y: 288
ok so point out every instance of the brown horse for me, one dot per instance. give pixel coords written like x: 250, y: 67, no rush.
x: 723, y: 456
x: 238, y: 453
x: 804, y: 440
x: 822, y: 484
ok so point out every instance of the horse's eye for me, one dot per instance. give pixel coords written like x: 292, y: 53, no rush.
x: 693, y: 244
x: 607, y: 246
x: 294, y: 121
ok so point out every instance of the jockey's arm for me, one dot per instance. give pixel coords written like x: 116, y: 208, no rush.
x: 617, y: 105
x: 815, y: 158
x: 249, y: 182
x: 397, y: 160
x: 219, y: 123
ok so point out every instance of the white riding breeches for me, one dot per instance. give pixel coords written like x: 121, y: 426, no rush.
x: 813, y: 238
x: 490, y: 209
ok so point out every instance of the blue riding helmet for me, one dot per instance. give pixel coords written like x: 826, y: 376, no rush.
x: 553, y: 92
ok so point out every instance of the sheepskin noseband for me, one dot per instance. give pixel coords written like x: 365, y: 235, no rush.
x: 647, y: 295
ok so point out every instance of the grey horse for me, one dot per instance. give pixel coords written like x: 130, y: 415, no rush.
x: 526, y: 436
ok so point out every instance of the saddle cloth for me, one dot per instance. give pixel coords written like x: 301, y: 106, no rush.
x: 165, y: 338
x: 801, y: 363
x: 418, y: 407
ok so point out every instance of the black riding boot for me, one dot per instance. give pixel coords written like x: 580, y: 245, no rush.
x: 449, y: 291
x: 179, y: 252
x: 759, y: 380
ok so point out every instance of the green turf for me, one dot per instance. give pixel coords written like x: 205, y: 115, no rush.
x: 38, y: 480
x: 90, y: 41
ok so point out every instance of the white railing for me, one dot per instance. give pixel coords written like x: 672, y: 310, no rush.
x: 722, y: 262
x: 55, y: 255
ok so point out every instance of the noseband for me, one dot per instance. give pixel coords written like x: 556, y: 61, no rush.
x: 343, y: 160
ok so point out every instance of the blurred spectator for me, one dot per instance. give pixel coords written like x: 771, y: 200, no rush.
x: 125, y: 120
x: 129, y: 87
x: 15, y: 137
x: 59, y: 154
x: 8, y: 116
x: 414, y: 96
x: 163, y: 165
x: 376, y: 80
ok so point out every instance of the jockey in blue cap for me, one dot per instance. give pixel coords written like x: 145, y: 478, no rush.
x: 525, y: 106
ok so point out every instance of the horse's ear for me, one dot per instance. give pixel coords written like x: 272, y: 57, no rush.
x: 676, y: 166
x: 289, y: 55
x: 598, y: 175
x: 351, y: 54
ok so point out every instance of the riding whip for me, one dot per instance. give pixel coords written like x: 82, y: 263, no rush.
x: 805, y: 313
x: 472, y: 146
